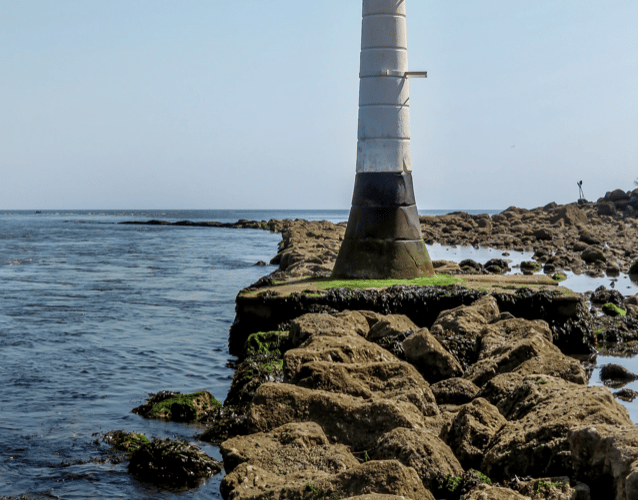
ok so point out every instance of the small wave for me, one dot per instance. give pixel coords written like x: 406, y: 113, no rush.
x: 19, y: 262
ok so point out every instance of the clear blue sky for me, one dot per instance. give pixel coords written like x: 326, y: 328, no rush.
x: 253, y: 103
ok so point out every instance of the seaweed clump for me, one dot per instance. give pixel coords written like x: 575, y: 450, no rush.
x: 127, y: 442
x: 261, y: 361
x: 172, y: 463
x: 178, y: 407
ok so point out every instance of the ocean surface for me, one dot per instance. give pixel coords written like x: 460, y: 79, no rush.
x: 94, y: 315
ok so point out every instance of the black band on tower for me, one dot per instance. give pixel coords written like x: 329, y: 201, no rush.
x: 383, y: 237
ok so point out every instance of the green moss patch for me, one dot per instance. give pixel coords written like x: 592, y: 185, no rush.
x: 168, y: 405
x: 267, y: 343
x: 530, y: 266
x: 613, y: 310
x: 127, y: 442
x: 436, y: 280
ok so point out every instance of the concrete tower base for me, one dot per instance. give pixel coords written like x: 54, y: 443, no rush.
x: 383, y: 238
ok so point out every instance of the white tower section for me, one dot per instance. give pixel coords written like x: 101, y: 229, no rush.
x: 383, y: 237
x: 384, y: 94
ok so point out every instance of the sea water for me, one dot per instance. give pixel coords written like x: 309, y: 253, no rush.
x: 94, y: 315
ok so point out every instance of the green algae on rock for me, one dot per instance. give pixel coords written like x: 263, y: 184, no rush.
x: 265, y: 343
x: 128, y: 442
x: 178, y: 407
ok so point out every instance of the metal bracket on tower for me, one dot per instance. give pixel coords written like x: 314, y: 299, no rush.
x: 416, y: 74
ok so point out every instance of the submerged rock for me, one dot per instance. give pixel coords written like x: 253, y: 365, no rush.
x: 172, y: 463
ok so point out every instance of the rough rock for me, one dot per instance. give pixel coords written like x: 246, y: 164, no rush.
x: 425, y: 452
x: 391, y: 326
x: 467, y: 320
x: 541, y: 412
x: 289, y: 449
x: 345, y: 419
x: 430, y: 358
x: 398, y: 381
x: 592, y: 254
x: 487, y: 492
x: 570, y: 215
x: 249, y: 375
x: 552, y: 488
x: 343, y: 324
x: 626, y: 394
x: 498, y: 337
x: 455, y: 391
x: 499, y: 390
x: 374, y: 477
x: 351, y: 349
x: 524, y: 347
x: 128, y: 442
x: 376, y: 496
x: 606, y: 458
x: 472, y: 430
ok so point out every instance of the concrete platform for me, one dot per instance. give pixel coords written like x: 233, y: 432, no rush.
x: 501, y: 283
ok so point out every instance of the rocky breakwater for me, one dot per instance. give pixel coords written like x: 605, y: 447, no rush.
x: 371, y: 405
x: 593, y: 238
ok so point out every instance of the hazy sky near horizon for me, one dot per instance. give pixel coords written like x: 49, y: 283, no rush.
x: 253, y: 103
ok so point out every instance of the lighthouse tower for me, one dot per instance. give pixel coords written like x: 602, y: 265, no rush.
x: 383, y: 237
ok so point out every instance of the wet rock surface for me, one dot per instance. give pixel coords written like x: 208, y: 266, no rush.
x: 172, y: 463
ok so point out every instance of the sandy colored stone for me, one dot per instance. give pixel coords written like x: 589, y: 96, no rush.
x: 291, y: 448
x: 425, y: 352
x: 498, y: 337
x: 552, y: 488
x: 391, y: 325
x: 352, y: 421
x: 467, y: 320
x: 343, y: 324
x: 351, y: 349
x: 425, y: 452
x: 472, y: 430
x: 541, y: 413
x: 487, y: 492
x: 456, y: 391
x: 522, y: 346
x: 398, y: 381
x: 381, y: 478
x: 376, y: 496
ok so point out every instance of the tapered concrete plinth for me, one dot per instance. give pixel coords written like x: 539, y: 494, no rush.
x: 383, y: 237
